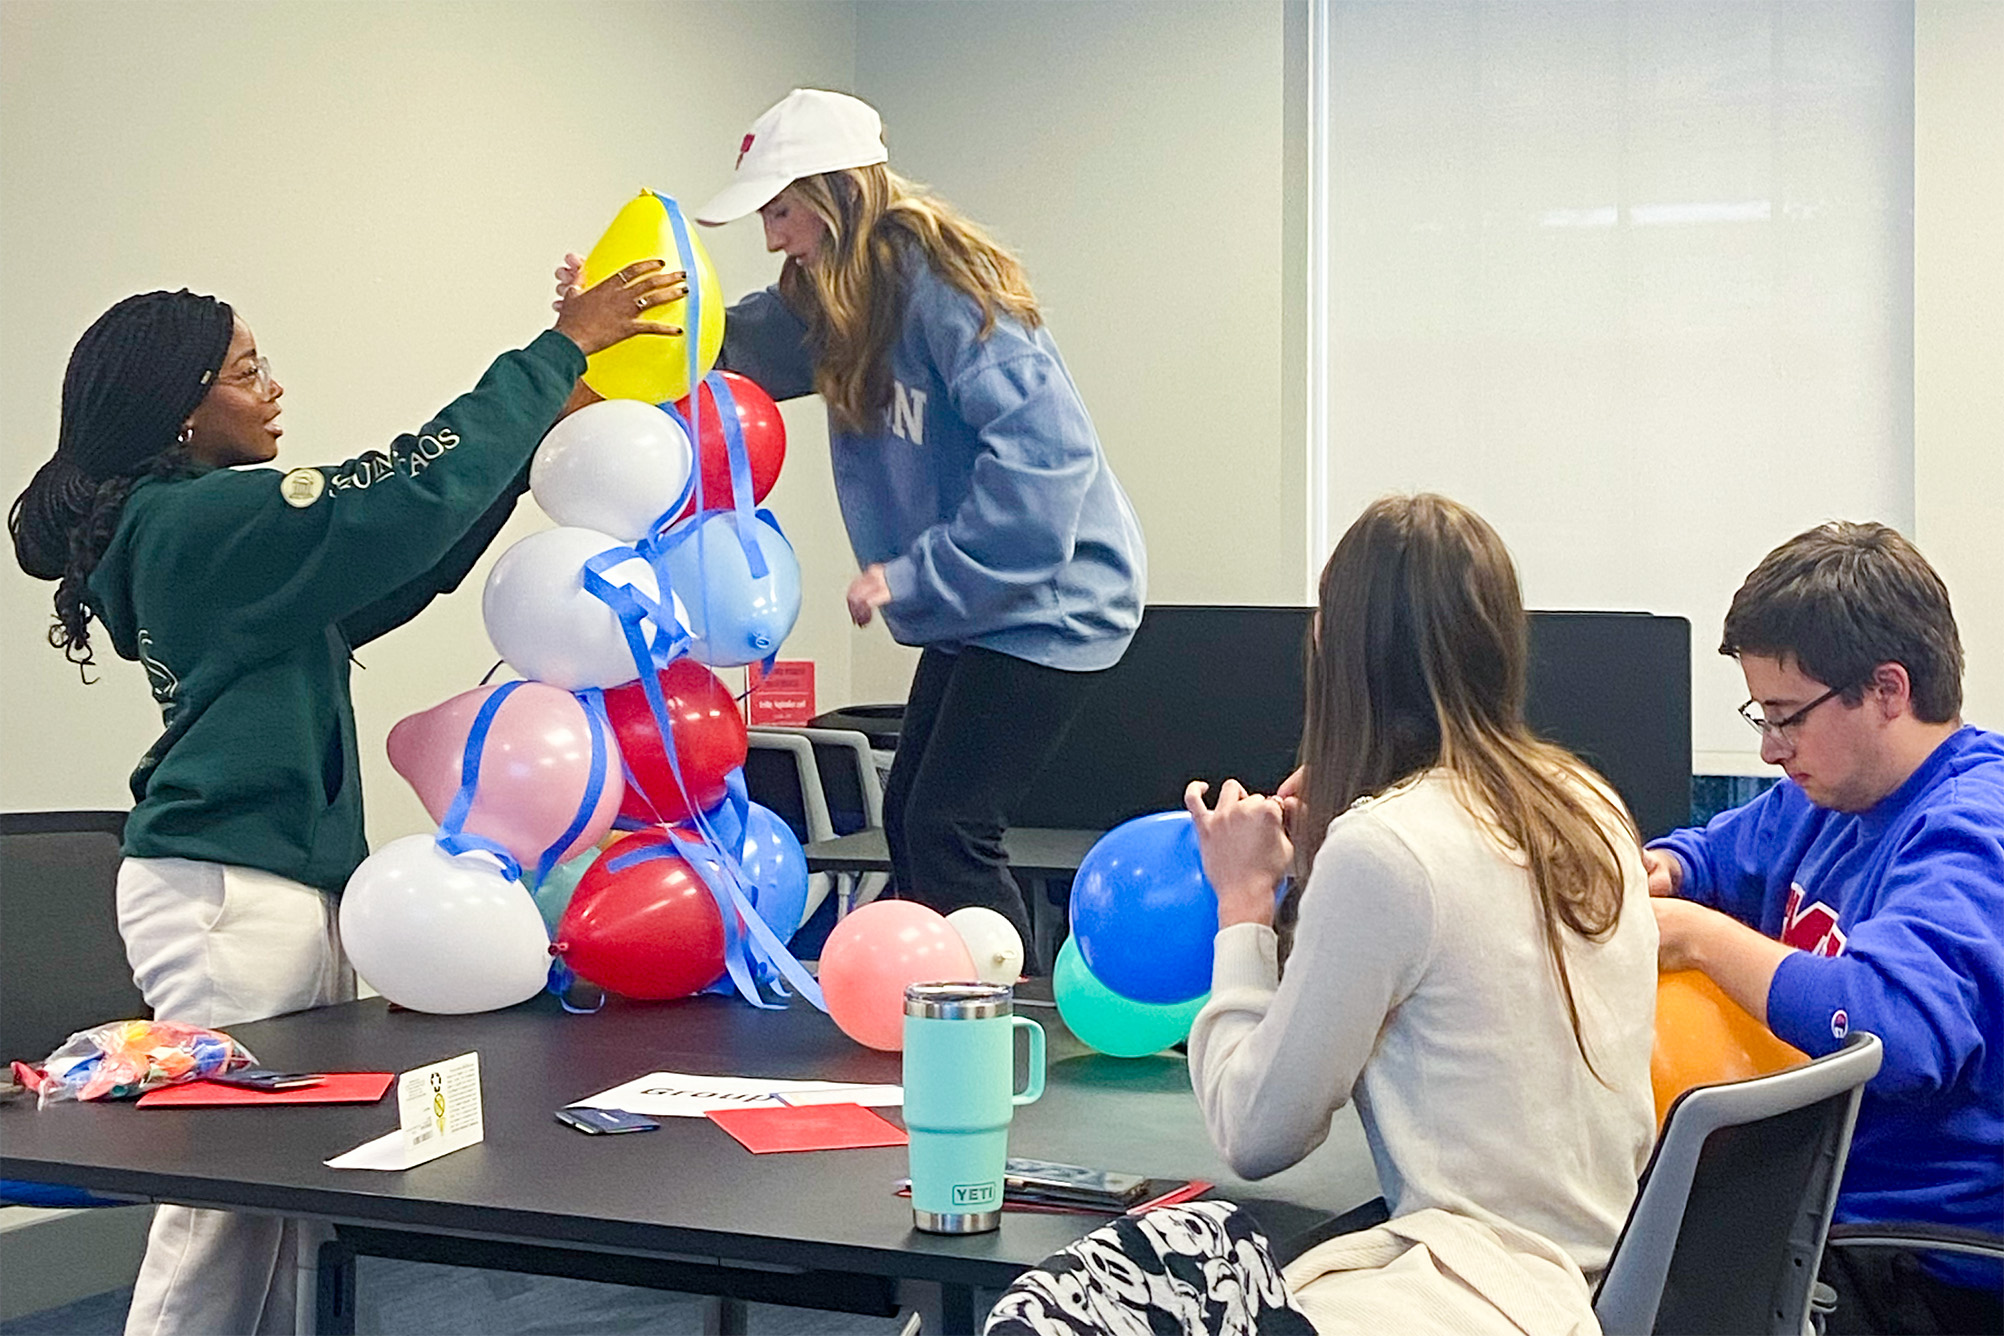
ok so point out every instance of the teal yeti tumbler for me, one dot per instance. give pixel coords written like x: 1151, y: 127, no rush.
x: 959, y: 1072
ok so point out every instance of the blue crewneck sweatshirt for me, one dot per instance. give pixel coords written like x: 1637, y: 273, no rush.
x: 982, y: 488
x: 1899, y: 914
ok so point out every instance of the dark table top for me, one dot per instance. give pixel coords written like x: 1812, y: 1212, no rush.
x: 687, y: 1191
x: 1034, y: 851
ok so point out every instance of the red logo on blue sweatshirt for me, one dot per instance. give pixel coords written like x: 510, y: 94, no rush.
x: 1812, y: 928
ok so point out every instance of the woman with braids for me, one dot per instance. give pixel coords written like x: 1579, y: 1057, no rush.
x: 242, y: 592
x: 1468, y: 950
x: 986, y: 522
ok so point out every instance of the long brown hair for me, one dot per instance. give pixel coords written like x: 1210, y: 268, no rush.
x: 852, y: 292
x: 1417, y: 660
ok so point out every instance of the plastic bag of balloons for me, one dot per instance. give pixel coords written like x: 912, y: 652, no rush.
x: 129, y: 1058
x: 656, y: 368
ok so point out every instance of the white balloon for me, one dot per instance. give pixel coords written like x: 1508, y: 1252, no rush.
x: 439, y: 933
x: 545, y: 623
x: 992, y: 941
x: 618, y: 466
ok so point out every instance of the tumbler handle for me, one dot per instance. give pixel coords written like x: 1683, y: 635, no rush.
x: 1035, y: 1089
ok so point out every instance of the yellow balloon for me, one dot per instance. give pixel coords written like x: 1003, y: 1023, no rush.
x: 1703, y: 1037
x: 654, y: 368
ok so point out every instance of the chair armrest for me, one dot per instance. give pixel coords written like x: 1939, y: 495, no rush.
x: 1924, y: 1237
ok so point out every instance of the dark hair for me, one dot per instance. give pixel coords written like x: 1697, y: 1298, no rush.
x: 133, y: 377
x: 1843, y: 598
x: 1419, y: 659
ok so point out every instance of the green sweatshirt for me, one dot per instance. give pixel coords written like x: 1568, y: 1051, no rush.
x: 242, y: 592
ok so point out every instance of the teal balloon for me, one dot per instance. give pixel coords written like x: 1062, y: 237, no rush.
x: 1113, y: 1024
x: 554, y: 895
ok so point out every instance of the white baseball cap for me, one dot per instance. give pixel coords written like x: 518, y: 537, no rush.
x: 809, y: 132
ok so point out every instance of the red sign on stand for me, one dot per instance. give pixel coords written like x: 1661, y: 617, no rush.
x: 783, y: 696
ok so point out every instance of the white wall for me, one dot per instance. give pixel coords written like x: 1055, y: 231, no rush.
x: 1132, y: 153
x: 1959, y: 326
x: 381, y: 190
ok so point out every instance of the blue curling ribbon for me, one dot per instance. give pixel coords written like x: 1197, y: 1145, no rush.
x: 718, y: 865
x: 452, y: 835
x: 600, y: 730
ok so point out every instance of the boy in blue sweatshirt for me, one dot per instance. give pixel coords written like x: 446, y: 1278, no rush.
x: 1866, y: 891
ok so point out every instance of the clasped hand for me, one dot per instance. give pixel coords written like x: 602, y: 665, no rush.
x: 1245, y: 848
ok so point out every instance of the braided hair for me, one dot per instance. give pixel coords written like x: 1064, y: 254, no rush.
x: 133, y: 378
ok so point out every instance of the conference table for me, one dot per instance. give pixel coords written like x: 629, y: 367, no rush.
x: 684, y: 1208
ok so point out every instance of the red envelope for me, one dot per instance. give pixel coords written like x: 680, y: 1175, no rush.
x: 808, y: 1127
x: 333, y: 1088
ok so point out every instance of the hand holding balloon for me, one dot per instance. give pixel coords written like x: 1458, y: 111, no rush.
x: 1245, y: 849
x: 597, y: 317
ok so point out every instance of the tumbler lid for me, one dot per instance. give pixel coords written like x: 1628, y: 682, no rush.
x: 959, y: 1001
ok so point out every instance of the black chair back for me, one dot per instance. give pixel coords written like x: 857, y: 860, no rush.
x: 62, y: 963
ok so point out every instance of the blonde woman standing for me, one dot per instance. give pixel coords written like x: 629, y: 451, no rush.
x: 986, y: 524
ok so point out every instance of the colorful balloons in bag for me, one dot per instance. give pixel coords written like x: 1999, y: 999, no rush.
x: 874, y: 953
x: 1110, y: 1023
x: 708, y: 733
x: 654, y: 368
x: 1143, y: 913
x: 764, y: 434
x: 546, y: 624
x: 442, y: 933
x: 619, y: 466
x: 643, y: 927
x: 535, y: 769
x: 734, y: 617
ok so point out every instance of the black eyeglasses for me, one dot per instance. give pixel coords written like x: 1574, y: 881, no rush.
x: 1778, y: 728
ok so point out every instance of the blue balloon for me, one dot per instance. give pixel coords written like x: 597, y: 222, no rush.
x: 1143, y: 913
x: 1115, y: 1025
x: 734, y: 618
x: 774, y: 863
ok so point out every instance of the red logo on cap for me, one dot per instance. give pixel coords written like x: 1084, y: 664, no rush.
x: 743, y: 149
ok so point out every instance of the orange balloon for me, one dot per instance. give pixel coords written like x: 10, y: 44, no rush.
x: 870, y: 957
x: 1704, y: 1037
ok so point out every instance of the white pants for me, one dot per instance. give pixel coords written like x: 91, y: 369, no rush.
x: 219, y: 946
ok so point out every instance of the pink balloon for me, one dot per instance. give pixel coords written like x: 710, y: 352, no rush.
x: 876, y: 951
x: 534, y: 769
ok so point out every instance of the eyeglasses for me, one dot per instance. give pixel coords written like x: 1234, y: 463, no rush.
x: 260, y: 376
x: 1778, y: 729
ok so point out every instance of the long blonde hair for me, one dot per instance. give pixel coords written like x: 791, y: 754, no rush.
x: 851, y: 292
x: 1418, y: 659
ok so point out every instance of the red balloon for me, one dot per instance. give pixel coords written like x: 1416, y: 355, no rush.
x: 765, y: 444
x: 650, y: 930
x: 709, y: 736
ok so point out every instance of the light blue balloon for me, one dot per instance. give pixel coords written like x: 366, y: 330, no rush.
x: 1113, y: 1024
x: 734, y: 619
x: 1143, y: 913
x: 774, y: 862
x: 553, y: 897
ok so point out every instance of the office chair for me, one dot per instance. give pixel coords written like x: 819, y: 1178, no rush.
x: 781, y: 774
x: 62, y: 962
x: 1728, y: 1229
x: 855, y: 797
x: 1912, y: 1237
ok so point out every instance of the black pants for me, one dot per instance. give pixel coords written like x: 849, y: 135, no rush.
x: 1887, y: 1291
x: 978, y: 730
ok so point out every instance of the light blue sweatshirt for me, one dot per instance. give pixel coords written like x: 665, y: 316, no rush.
x: 982, y: 489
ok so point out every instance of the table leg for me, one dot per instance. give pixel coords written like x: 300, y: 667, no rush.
x: 334, y: 1291
x: 956, y: 1310
x: 725, y: 1316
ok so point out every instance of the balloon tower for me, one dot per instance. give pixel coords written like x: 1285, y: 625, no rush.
x: 662, y: 569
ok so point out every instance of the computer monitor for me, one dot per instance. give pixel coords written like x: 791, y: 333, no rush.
x: 1216, y: 693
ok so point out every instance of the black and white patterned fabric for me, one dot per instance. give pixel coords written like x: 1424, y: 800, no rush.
x: 1199, y: 1268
